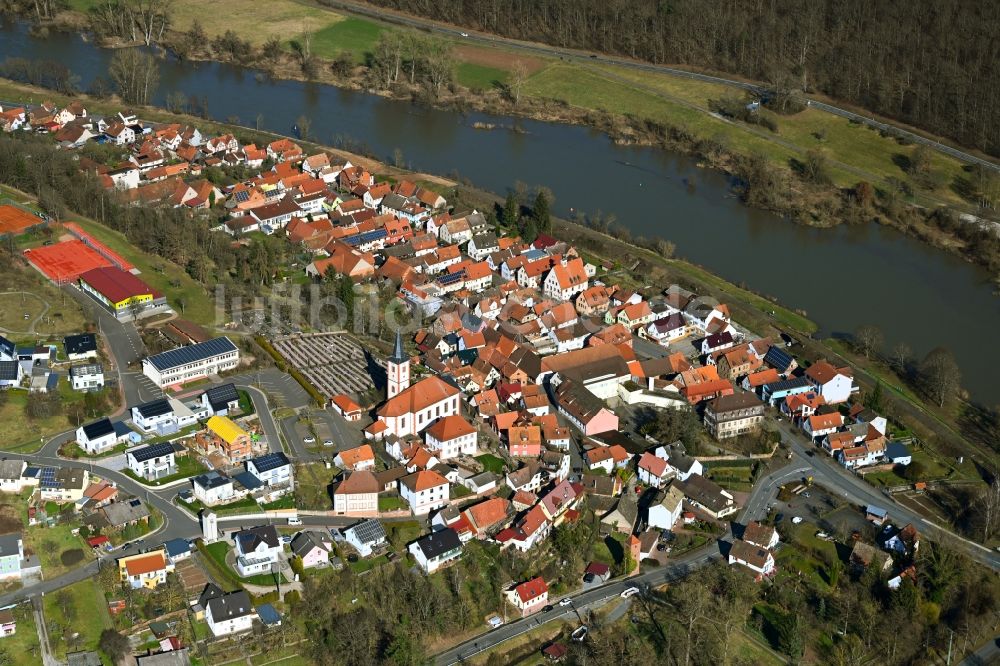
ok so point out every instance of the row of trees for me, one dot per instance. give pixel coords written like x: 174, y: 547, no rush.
x: 134, y: 21
x: 926, y: 63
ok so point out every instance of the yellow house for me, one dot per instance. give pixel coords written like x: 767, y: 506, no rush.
x: 145, y: 569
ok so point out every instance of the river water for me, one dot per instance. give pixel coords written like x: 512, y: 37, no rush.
x: 842, y: 277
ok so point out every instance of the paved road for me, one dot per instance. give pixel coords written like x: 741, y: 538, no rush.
x: 826, y: 471
x: 594, y: 58
x: 988, y: 653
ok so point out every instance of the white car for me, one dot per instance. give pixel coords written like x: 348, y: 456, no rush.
x: 494, y: 621
x: 295, y: 521
x: 465, y: 34
x: 565, y: 602
x: 796, y: 520
x: 629, y: 591
x: 327, y: 442
x: 309, y: 440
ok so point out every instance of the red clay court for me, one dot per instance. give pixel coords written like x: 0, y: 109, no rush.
x: 112, y: 256
x: 15, y: 221
x: 66, y: 261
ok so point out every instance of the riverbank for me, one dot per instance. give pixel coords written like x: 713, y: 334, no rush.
x: 638, y: 108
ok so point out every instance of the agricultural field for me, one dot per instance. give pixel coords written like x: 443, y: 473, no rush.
x: 356, y: 35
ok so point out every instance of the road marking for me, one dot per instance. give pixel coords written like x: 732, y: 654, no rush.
x: 949, y: 532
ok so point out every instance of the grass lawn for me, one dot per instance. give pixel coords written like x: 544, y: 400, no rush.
x: 286, y: 502
x: 747, y: 651
x: 187, y: 466
x: 13, y: 307
x: 390, y: 503
x: 27, y: 292
x: 87, y: 615
x: 49, y: 543
x: 352, y: 34
x: 215, y: 560
x: 807, y: 554
x: 367, y: 563
x: 479, y: 77
x: 160, y: 274
x: 23, y: 648
x: 403, y: 532
x: 491, y: 463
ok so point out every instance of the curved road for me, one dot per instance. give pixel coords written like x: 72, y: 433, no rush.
x: 588, y: 57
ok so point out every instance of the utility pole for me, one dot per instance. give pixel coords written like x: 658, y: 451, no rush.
x: 951, y: 637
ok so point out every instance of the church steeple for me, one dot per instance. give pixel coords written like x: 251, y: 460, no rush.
x: 397, y: 368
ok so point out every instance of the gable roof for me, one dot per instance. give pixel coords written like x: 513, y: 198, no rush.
x: 421, y: 395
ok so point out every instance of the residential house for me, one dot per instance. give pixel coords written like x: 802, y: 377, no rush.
x: 708, y: 496
x: 566, y: 280
x: 424, y: 491
x: 273, y: 470
x: 145, y: 570
x: 757, y: 559
x: 452, y: 436
x: 227, y: 613
x: 97, y: 437
x: 12, y: 475
x: 152, y: 462
x: 257, y: 550
x: 666, y: 508
x: 312, y: 548
x: 529, y: 530
x: 11, y: 556
x: 229, y: 439
x: 356, y: 493
x: 213, y: 488
x: 732, y: 415
x: 356, y: 459
x: 530, y: 596
x: 654, y: 470
x: 366, y: 537
x: 80, y: 347
x: 65, y: 484
x: 819, y: 425
x: 126, y: 513
x: 8, y: 624
x: 864, y: 555
x: 584, y: 409
x: 760, y: 535
x: 436, y: 550
x: 88, y: 377
x: 835, y: 384
x: 221, y: 400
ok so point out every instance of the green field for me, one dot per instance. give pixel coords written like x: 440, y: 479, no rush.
x: 22, y: 648
x: 479, y: 77
x: 491, y: 463
x: 22, y: 434
x: 351, y: 34
x: 86, y: 613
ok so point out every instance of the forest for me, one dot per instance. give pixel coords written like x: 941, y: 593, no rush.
x: 929, y: 64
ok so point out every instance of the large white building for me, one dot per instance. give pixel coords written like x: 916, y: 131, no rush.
x: 186, y: 364
x: 414, y: 408
x: 565, y: 281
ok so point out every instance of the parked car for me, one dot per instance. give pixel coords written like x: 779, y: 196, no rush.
x: 565, y: 602
x: 309, y: 439
x: 327, y: 442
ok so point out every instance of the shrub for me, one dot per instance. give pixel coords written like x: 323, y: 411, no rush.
x: 71, y: 557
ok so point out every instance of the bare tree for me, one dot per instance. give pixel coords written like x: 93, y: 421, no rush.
x: 136, y: 74
x: 515, y: 84
x: 440, y: 63
x: 940, y: 374
x: 868, y: 339
x: 989, y: 507
x: 901, y: 356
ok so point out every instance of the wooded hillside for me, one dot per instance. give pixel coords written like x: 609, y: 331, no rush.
x: 929, y: 63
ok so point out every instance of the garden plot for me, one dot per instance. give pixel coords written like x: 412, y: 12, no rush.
x: 332, y: 362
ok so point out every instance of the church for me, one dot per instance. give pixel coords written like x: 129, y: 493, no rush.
x: 411, y: 409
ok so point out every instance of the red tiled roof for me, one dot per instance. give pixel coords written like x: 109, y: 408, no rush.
x: 449, y: 428
x: 532, y: 589
x: 117, y: 285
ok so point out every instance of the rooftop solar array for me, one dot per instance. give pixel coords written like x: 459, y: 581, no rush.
x: 154, y: 408
x: 369, y: 531
x: 152, y: 451
x: 191, y: 354
x: 98, y: 428
x: 270, y: 461
x: 220, y: 396
x: 48, y: 479
x: 778, y: 358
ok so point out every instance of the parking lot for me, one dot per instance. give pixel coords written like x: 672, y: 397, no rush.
x: 331, y: 362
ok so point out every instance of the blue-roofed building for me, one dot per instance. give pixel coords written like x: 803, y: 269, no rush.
x: 780, y: 360
x: 268, y: 615
x: 248, y: 481
x: 775, y: 392
x: 898, y: 453
x: 186, y: 364
x: 177, y: 550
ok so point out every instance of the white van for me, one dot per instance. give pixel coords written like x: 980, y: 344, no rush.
x: 295, y: 520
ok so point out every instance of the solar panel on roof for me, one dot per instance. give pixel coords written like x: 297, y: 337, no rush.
x: 191, y: 354
x: 451, y: 278
x: 270, y: 461
x: 154, y: 408
x: 369, y: 531
x: 778, y: 357
x: 152, y: 451
x: 242, y: 195
x: 220, y: 396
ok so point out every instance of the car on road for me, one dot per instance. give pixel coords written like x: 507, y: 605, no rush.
x: 309, y: 440
x: 464, y: 34
x: 629, y: 591
x: 547, y: 608
x: 295, y: 520
x: 327, y: 442
x: 565, y: 602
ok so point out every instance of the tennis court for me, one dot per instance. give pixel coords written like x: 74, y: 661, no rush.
x: 15, y: 221
x: 65, y: 261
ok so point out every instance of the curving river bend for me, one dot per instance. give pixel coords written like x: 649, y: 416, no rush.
x: 842, y: 277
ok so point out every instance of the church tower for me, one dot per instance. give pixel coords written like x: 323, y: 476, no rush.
x: 397, y: 369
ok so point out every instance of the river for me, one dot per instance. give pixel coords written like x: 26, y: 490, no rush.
x: 843, y: 277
